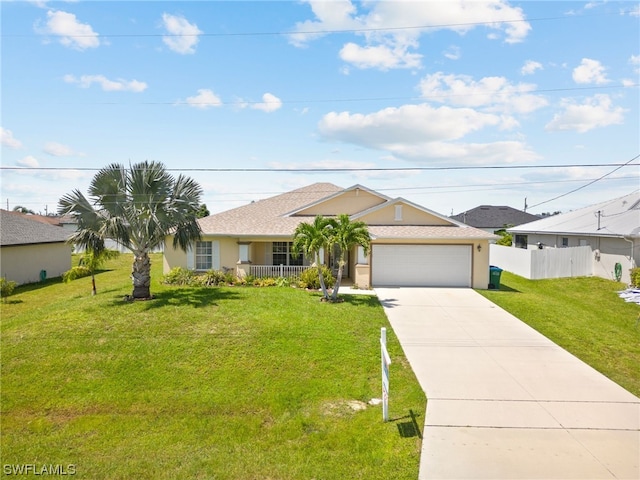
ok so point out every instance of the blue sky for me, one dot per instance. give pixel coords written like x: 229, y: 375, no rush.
x: 389, y: 90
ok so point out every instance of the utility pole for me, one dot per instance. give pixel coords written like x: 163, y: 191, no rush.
x: 525, y: 204
x: 599, y: 212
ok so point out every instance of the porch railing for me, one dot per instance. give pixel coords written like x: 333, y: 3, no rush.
x: 285, y: 271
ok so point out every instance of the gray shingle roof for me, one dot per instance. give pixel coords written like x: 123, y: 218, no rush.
x: 492, y: 216
x: 19, y: 229
x: 614, y: 218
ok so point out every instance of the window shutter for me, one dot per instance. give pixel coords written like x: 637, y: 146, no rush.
x: 215, y: 255
x: 191, y: 260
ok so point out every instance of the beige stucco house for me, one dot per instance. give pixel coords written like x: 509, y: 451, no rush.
x: 411, y: 245
x: 31, y: 250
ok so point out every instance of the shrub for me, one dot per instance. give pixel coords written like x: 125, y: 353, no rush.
x: 309, y: 278
x: 75, y: 273
x: 6, y: 288
x: 212, y: 278
x: 179, y: 276
x: 265, y: 282
x: 635, y: 277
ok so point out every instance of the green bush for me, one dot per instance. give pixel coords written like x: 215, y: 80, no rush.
x: 6, y: 288
x: 212, y: 278
x: 179, y: 276
x: 635, y: 277
x: 75, y: 273
x: 309, y: 278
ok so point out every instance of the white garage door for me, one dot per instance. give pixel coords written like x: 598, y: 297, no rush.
x: 421, y: 265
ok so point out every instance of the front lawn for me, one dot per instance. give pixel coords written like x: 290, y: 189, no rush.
x: 225, y: 383
x: 583, y: 315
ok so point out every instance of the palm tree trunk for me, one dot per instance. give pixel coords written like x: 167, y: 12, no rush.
x: 141, y: 275
x: 93, y: 284
x: 325, y: 294
x: 334, y: 295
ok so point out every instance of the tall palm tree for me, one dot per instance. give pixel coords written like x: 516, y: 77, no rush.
x: 136, y: 207
x: 310, y: 238
x: 346, y: 234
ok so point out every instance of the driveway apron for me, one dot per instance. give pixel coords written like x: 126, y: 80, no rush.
x: 504, y: 402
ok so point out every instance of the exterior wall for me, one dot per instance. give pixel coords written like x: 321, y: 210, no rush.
x: 479, y: 262
x: 410, y: 216
x: 23, y: 263
x: 349, y: 202
x: 606, y: 252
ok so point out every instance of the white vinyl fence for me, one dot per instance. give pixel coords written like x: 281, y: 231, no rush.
x: 546, y: 263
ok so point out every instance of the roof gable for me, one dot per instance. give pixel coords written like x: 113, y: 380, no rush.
x: 402, y: 212
x: 18, y: 229
x: 349, y: 201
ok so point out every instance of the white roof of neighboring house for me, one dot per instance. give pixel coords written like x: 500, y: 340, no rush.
x: 279, y: 216
x: 619, y: 217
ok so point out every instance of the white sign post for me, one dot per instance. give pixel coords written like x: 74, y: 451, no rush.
x: 386, y: 361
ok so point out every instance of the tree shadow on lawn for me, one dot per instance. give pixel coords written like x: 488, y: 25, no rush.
x: 182, y: 297
x: 360, y: 300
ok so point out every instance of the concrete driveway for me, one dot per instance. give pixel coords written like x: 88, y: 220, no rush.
x: 504, y: 402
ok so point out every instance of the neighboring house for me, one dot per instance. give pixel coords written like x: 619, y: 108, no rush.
x: 491, y: 217
x: 611, y: 229
x: 411, y: 245
x: 31, y: 250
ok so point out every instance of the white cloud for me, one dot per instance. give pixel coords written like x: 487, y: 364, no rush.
x: 29, y: 162
x: 72, y: 33
x: 590, y: 71
x: 270, y: 103
x: 494, y: 94
x: 182, y: 36
x: 595, y: 112
x: 412, y: 124
x: 204, y: 99
x: 635, y: 61
x: 452, y: 53
x: 8, y: 140
x: 530, y: 67
x: 119, y: 85
x: 388, y: 43
x: 382, y: 57
x: 57, y: 149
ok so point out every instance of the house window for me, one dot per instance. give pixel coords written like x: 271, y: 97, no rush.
x: 204, y: 256
x: 565, y: 241
x: 282, y: 254
x: 521, y: 241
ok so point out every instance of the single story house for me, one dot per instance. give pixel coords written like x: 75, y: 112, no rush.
x: 31, y: 250
x: 611, y: 229
x: 492, y: 217
x: 411, y: 245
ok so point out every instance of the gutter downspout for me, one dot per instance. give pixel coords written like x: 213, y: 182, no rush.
x: 632, y: 260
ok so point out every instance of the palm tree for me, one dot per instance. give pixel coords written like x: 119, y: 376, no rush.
x: 310, y: 238
x: 346, y: 234
x: 91, y: 261
x: 136, y: 207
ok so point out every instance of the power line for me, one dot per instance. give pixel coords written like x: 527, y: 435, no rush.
x: 346, y: 169
x: 587, y: 184
x: 317, y: 32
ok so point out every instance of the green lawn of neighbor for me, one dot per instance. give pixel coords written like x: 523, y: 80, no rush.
x: 583, y: 315
x: 224, y: 383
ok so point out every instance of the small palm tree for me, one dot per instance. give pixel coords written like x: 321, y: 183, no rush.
x: 310, y: 238
x: 346, y: 234
x: 136, y: 207
x: 89, y: 262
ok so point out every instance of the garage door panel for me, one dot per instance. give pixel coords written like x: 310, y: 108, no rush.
x: 421, y: 265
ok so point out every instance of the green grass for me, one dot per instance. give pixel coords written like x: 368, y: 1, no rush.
x: 222, y: 383
x: 584, y: 316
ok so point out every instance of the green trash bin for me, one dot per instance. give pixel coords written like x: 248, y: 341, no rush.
x: 494, y: 277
